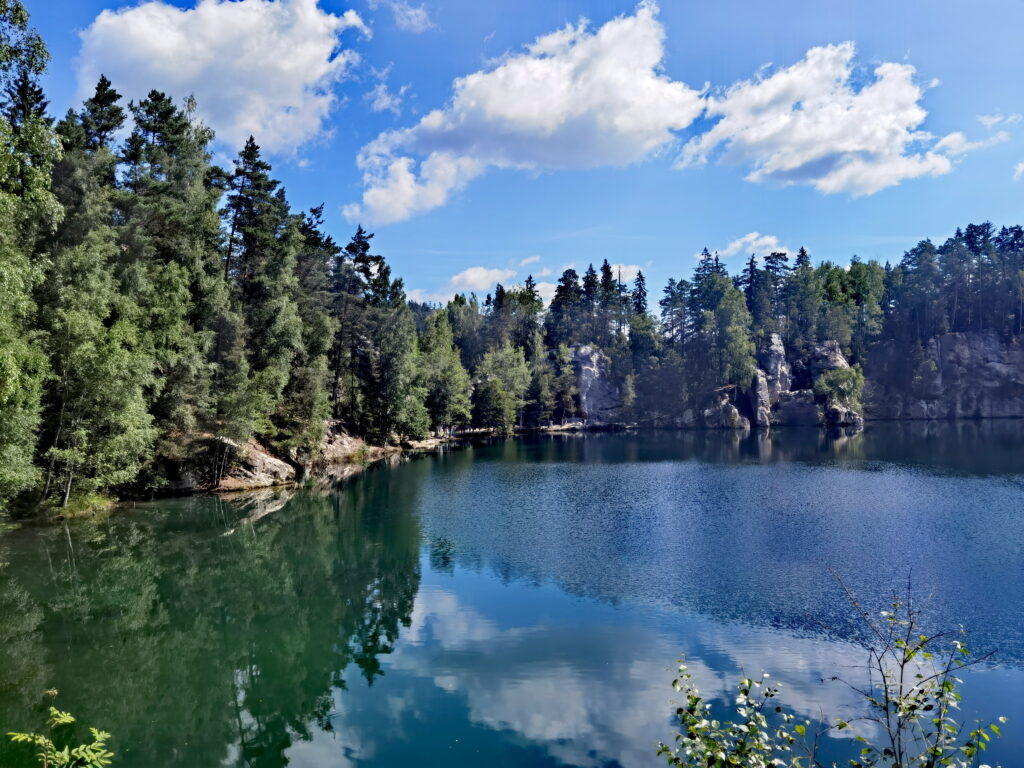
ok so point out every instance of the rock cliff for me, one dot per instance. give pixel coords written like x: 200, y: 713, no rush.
x: 771, y: 401
x: 962, y: 376
x: 600, y: 399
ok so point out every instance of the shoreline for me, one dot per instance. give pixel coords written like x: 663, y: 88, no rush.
x: 345, y: 465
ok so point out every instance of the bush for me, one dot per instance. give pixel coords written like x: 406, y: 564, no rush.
x: 911, y: 693
x: 842, y: 385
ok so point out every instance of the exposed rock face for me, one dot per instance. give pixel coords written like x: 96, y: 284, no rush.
x: 963, y: 376
x: 797, y: 409
x: 213, y: 463
x: 254, y: 467
x: 339, y: 447
x: 778, y: 374
x: 760, y: 399
x: 827, y: 356
x: 600, y: 401
x: 837, y: 415
x: 724, y: 415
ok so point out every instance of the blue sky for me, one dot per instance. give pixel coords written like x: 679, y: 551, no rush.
x: 565, y: 144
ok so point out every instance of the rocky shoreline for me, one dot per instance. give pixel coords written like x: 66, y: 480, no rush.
x: 962, y: 377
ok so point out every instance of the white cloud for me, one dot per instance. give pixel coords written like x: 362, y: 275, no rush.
x: 990, y: 121
x: 574, y: 99
x: 482, y: 280
x: 411, y: 18
x: 544, y: 272
x: 381, y: 97
x: 546, y: 290
x: 1018, y: 171
x: 255, y: 67
x: 427, y: 297
x: 479, y: 278
x: 956, y: 143
x: 626, y: 272
x: 807, y: 124
x: 752, y: 242
x: 529, y: 260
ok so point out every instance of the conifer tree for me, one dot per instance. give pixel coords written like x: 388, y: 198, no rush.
x: 102, y: 115
x: 638, y: 298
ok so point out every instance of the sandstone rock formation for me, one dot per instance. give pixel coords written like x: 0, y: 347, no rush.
x: 252, y: 466
x: 825, y: 357
x: 963, y: 376
x: 778, y: 374
x: 797, y: 409
x: 600, y: 400
x: 724, y: 415
x: 761, y: 399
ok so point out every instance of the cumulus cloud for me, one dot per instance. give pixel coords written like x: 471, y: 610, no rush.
x: 546, y: 290
x: 752, y: 242
x: 990, y: 121
x: 575, y: 98
x: 809, y: 124
x: 411, y: 18
x: 480, y: 278
x: 255, y: 67
x: 381, y: 97
x: 956, y: 143
x: 626, y: 272
x: 529, y: 260
x: 1018, y: 171
x: 483, y: 279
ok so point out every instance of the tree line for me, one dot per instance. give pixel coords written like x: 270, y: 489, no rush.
x: 151, y: 300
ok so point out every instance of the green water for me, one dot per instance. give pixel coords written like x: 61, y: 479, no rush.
x: 516, y: 603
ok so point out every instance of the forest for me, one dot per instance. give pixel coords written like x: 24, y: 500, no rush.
x: 149, y: 297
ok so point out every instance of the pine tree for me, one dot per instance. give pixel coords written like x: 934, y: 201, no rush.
x: 562, y: 325
x: 260, y: 262
x: 102, y: 115
x: 24, y: 101
x: 638, y: 298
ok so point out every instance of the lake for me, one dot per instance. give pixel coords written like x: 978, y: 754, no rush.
x: 518, y: 602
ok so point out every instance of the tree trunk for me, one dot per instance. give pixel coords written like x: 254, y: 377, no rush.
x: 67, y: 489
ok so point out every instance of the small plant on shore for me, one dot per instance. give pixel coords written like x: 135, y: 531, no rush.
x: 844, y: 386
x: 910, y: 693
x: 91, y: 755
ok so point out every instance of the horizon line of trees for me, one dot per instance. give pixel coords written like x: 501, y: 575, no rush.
x: 151, y: 301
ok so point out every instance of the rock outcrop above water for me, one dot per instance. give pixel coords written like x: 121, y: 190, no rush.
x: 761, y: 399
x: 825, y: 357
x: 600, y: 400
x: 722, y: 414
x: 771, y: 400
x: 252, y: 466
x: 962, y: 376
x: 778, y: 374
x: 222, y: 465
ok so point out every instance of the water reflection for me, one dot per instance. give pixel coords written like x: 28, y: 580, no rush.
x: 515, y: 603
x: 203, y: 632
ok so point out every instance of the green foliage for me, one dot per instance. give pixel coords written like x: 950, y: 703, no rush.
x: 447, y: 383
x: 92, y: 754
x: 506, y: 366
x: 842, y: 385
x: 222, y: 313
x: 494, y: 407
x: 910, y: 691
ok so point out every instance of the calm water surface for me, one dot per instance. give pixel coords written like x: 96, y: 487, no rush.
x: 519, y: 603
